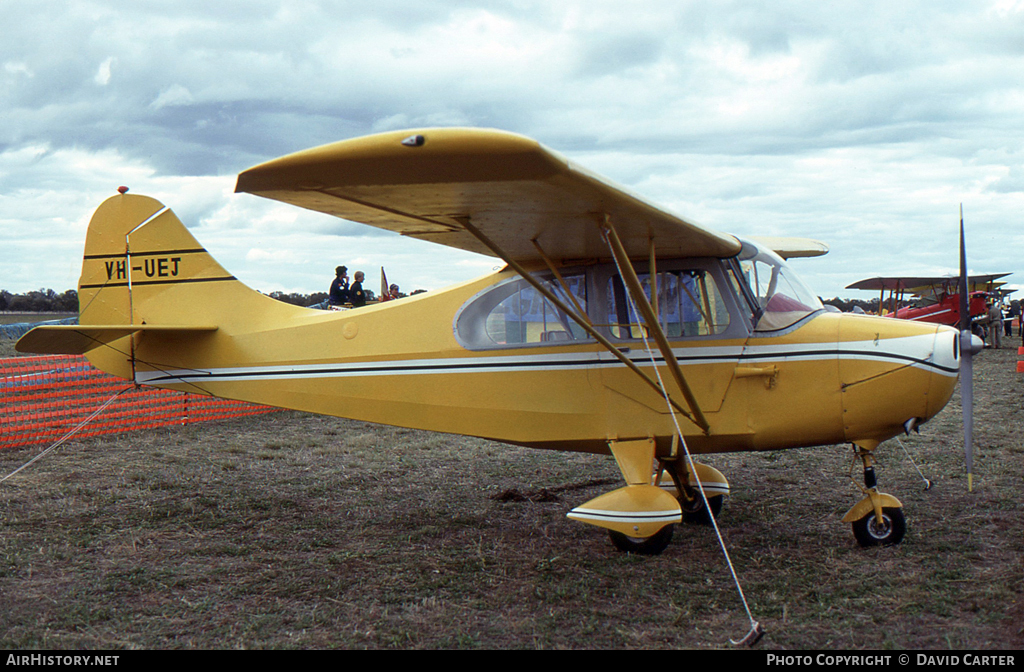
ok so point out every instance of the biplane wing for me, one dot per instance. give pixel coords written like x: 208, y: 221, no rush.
x: 520, y: 194
x: 925, y: 286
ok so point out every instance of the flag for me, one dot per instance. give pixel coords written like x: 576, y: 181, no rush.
x: 385, y: 293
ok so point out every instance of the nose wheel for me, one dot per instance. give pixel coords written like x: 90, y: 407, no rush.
x: 877, y: 519
x: 889, y: 532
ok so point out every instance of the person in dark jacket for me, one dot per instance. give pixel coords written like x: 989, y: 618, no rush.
x: 355, y: 293
x: 338, y: 295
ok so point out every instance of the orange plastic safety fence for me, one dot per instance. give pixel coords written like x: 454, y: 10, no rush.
x: 42, y: 398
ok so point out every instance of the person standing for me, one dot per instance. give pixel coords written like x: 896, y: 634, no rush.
x: 1011, y: 315
x: 995, y: 324
x: 355, y: 293
x: 338, y: 295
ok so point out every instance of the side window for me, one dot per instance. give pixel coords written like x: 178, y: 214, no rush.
x: 515, y: 313
x: 689, y: 304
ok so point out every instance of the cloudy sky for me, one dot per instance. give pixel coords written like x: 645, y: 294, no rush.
x: 864, y: 125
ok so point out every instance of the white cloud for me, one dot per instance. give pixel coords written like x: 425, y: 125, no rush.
x: 864, y: 126
x: 15, y: 68
x: 173, y: 96
x: 103, y: 73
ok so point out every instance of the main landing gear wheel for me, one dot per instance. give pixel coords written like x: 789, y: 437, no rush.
x: 652, y: 545
x: 890, y: 532
x: 688, y: 491
x: 695, y: 512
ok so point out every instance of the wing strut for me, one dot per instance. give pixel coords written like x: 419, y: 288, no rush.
x: 651, y: 318
x: 561, y: 281
x: 578, y: 319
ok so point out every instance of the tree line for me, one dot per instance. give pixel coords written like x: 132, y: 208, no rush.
x: 848, y: 305
x: 39, y: 301
x: 49, y: 301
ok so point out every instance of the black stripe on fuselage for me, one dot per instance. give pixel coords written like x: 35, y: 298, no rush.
x: 535, y: 364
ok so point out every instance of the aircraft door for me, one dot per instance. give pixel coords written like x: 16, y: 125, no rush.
x: 787, y: 380
x: 698, y: 315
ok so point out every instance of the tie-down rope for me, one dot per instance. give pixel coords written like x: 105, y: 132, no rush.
x: 756, y: 631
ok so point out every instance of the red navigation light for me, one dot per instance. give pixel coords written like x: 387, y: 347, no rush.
x: 122, y: 190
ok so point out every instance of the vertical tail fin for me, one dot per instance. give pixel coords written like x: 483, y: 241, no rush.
x: 145, y: 277
x: 134, y: 250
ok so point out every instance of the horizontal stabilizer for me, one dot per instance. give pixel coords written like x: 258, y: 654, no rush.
x: 79, y: 339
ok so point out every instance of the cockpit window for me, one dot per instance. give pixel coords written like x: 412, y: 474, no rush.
x: 515, y: 313
x: 694, y: 299
x: 689, y: 304
x: 782, y: 299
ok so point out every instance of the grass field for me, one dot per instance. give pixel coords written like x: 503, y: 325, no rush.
x: 292, y: 530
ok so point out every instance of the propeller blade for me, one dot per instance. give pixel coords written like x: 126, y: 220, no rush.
x: 967, y: 349
x: 965, y: 315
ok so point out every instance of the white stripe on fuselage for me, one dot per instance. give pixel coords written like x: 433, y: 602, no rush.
x: 929, y: 315
x: 913, y: 351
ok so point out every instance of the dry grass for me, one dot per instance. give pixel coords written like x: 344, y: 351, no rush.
x: 293, y: 530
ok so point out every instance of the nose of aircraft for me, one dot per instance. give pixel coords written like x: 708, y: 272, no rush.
x: 893, y: 371
x: 945, y: 367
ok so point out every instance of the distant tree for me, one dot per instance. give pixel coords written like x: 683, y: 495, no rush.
x: 39, y: 301
x: 294, y: 299
x: 68, y: 302
x: 33, y: 302
x: 847, y: 305
x: 297, y: 299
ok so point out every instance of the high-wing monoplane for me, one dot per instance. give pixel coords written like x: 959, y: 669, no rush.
x: 614, y: 327
x: 935, y: 299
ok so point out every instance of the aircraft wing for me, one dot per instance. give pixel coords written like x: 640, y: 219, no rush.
x: 925, y: 286
x: 787, y: 247
x: 906, y: 284
x: 424, y: 184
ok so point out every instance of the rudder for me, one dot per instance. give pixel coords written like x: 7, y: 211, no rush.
x: 142, y: 266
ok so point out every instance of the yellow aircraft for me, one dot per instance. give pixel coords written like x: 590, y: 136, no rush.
x: 616, y: 327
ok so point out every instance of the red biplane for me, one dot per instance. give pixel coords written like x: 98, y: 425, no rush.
x: 935, y: 299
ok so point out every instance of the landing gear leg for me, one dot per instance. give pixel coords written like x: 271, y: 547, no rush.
x: 878, y: 518
x: 691, y: 501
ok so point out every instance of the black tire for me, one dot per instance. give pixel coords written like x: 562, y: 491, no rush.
x: 869, y: 533
x: 694, y: 511
x: 652, y: 545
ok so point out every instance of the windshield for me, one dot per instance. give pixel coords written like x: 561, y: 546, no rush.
x: 781, y: 296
